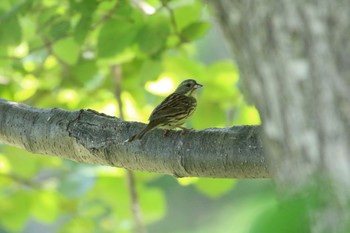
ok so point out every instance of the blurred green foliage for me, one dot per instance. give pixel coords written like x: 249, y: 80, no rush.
x: 60, y: 54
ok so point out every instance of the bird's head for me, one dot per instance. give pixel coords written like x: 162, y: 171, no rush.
x: 187, y: 87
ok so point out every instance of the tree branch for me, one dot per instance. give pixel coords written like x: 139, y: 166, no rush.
x: 91, y: 137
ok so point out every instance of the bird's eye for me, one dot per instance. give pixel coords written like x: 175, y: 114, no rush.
x: 188, y: 85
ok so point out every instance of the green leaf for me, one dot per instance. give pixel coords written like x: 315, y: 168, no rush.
x: 84, y: 71
x: 153, y: 34
x: 183, y: 67
x: 115, y: 36
x: 149, y: 70
x: 153, y: 210
x: 59, y: 29
x: 248, y: 115
x: 14, y: 210
x: 195, y: 30
x: 289, y: 216
x: 47, y: 18
x: 67, y: 50
x: 185, y: 15
x: 85, y: 7
x: 10, y: 31
x: 117, y: 195
x: 23, y: 163
x: 46, y: 206
x: 215, y: 187
x: 82, y: 29
x: 124, y: 9
x: 15, y: 9
x: 222, y: 77
x: 216, y: 115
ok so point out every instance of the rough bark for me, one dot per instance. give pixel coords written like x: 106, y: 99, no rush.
x: 294, y: 60
x: 87, y: 136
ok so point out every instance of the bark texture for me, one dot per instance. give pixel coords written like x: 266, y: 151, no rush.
x: 91, y: 137
x: 294, y: 59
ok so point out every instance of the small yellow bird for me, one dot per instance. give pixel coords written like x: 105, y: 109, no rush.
x: 174, y: 110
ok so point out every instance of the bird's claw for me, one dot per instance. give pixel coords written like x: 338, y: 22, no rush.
x: 166, y: 133
x: 185, y: 130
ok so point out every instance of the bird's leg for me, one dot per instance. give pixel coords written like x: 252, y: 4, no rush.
x: 166, y: 132
x: 184, y: 130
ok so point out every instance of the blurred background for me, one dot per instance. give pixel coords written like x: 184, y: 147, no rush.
x: 122, y: 58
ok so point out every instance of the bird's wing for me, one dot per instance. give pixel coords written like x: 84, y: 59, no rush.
x: 172, y: 105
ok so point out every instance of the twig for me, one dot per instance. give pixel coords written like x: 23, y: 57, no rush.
x: 173, y: 22
x: 116, y: 73
x: 106, y: 16
x: 21, y: 180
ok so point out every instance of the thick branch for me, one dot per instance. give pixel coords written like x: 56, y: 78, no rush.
x: 91, y: 137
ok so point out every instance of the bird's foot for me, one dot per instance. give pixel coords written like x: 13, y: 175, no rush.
x: 185, y: 130
x: 131, y: 139
x: 177, y: 175
x: 166, y: 133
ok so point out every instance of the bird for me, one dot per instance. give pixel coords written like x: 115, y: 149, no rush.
x: 173, y: 111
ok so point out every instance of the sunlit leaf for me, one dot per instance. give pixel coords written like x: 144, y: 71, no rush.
x: 185, y: 15
x: 163, y: 86
x: 22, y: 162
x: 5, y: 166
x: 29, y: 86
x: 214, y: 187
x: 248, y: 115
x: 46, y: 207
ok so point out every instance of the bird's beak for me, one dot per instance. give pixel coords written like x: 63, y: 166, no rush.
x: 197, y: 86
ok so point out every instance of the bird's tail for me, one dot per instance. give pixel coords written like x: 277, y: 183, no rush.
x: 139, y: 135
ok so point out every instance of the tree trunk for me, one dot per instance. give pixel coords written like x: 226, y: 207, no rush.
x: 294, y: 60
